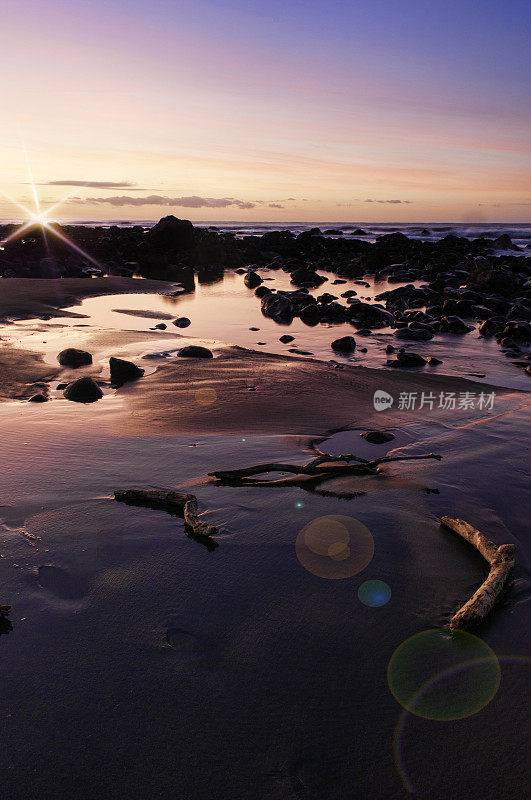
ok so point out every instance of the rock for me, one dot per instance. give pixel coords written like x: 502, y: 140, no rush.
x: 262, y: 291
x: 84, y: 390
x: 359, y: 232
x: 171, y: 233
x: 286, y: 338
x: 452, y: 324
x: 377, y: 437
x: 277, y: 307
x: 310, y: 314
x: 195, y: 351
x: 306, y: 277
x: 182, y: 322
x: 38, y: 398
x: 404, y: 359
x: 123, y: 371
x: 433, y: 361
x: 71, y: 357
x: 492, y: 326
x: 521, y: 331
x: 389, y: 348
x: 347, y: 344
x: 414, y: 334
x: 252, y: 280
x: 299, y: 352
x: 161, y: 326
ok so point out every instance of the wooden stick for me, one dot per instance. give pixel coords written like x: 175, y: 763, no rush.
x: 183, y: 504
x: 501, y: 560
x: 307, y: 476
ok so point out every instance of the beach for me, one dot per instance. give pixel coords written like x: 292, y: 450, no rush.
x: 143, y: 663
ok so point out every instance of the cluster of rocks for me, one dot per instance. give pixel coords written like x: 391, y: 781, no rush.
x: 464, y: 282
x: 88, y: 390
x: 174, y: 246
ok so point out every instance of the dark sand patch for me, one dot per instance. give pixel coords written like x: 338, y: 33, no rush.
x: 144, y: 314
x: 21, y: 371
x: 291, y: 395
x: 25, y: 298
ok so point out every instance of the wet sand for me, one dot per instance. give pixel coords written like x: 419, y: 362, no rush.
x: 140, y: 664
x: 29, y: 297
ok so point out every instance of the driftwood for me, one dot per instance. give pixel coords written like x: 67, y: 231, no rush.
x: 185, y: 505
x: 501, y: 560
x: 323, y: 468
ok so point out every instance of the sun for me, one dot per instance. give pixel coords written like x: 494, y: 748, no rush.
x: 37, y: 216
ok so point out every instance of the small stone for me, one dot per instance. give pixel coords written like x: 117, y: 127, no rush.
x: 182, y: 322
x: 377, y: 437
x: 286, y: 338
x: 433, y: 361
x: 38, y: 398
x: 72, y: 357
x: 347, y: 344
x: 195, y: 351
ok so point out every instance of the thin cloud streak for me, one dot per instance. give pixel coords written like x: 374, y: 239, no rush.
x: 160, y: 200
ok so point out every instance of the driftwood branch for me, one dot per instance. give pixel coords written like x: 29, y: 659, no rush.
x: 323, y: 468
x: 185, y: 505
x: 501, y: 560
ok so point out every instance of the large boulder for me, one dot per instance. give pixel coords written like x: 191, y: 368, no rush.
x: 414, y: 334
x: 195, y: 351
x: 277, y: 307
x: 171, y: 233
x: 72, y: 357
x: 123, y: 371
x: 84, y: 390
x: 404, y: 359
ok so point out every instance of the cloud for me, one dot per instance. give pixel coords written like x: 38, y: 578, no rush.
x: 92, y: 184
x: 407, y: 202
x: 275, y: 205
x: 161, y: 200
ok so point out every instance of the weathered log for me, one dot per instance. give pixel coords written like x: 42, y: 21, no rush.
x: 166, y: 499
x: 307, y: 476
x: 501, y: 560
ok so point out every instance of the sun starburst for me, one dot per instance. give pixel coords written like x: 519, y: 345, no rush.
x: 40, y: 217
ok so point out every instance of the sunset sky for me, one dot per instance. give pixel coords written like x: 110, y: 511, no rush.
x: 297, y: 110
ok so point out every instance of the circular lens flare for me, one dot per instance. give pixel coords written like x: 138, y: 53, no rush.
x: 443, y: 675
x: 374, y: 593
x: 334, y: 547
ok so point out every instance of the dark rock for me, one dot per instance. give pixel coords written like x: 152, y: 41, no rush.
x: 521, y: 331
x: 71, y: 357
x: 492, y: 326
x: 377, y: 437
x: 286, y: 338
x: 252, y: 280
x: 38, y: 398
x: 277, y: 307
x: 389, y: 348
x: 414, y: 334
x: 456, y: 325
x: 161, y: 326
x: 123, y: 371
x: 310, y: 314
x: 182, y: 322
x: 195, y: 351
x: 84, y: 390
x: 347, y: 344
x: 404, y: 359
x: 433, y: 361
x: 306, y: 277
x: 261, y: 291
x: 171, y: 233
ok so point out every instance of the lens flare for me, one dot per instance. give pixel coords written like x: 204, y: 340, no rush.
x: 374, y: 593
x: 206, y: 396
x: 443, y: 675
x: 334, y: 547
